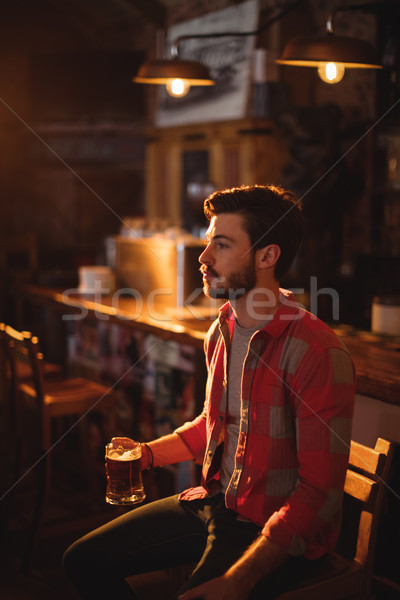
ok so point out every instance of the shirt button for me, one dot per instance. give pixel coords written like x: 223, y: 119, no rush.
x: 220, y: 418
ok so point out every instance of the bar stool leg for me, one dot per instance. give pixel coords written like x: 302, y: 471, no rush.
x: 43, y: 475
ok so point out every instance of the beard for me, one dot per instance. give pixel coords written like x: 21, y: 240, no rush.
x: 233, y: 286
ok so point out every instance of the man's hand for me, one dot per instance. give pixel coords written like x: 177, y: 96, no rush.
x: 260, y: 559
x: 220, y: 588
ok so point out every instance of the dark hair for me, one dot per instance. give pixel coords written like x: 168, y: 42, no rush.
x: 271, y: 215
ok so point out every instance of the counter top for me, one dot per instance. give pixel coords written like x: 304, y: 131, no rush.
x: 377, y: 358
x: 184, y: 325
x: 377, y: 361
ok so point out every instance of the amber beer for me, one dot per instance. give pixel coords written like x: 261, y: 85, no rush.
x: 124, y: 476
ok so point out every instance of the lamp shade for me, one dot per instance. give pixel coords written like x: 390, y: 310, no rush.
x: 161, y: 71
x: 311, y: 51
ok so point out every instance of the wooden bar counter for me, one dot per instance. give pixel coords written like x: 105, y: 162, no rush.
x: 377, y: 361
x: 185, y: 326
x: 377, y: 358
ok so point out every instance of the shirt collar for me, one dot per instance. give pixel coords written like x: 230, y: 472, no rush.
x: 287, y: 311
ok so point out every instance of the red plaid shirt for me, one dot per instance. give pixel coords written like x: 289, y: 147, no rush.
x: 296, y: 410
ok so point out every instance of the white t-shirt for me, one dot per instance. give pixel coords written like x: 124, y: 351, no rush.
x: 238, y: 351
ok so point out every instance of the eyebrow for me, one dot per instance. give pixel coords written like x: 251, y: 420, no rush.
x: 219, y: 236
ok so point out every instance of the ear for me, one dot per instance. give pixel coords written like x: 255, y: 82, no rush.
x: 268, y: 256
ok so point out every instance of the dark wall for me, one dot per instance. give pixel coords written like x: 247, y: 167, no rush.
x: 71, y: 148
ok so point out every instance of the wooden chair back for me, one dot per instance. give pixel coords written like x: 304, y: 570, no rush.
x: 24, y: 361
x: 4, y: 382
x: 366, y: 480
x: 7, y: 417
x: 350, y: 573
x: 23, y: 352
x: 19, y: 355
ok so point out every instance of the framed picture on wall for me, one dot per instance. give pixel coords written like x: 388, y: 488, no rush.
x: 230, y: 63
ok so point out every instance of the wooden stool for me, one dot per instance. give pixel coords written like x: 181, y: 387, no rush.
x: 10, y: 430
x: 48, y: 399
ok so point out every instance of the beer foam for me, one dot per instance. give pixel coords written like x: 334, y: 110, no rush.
x: 116, y: 455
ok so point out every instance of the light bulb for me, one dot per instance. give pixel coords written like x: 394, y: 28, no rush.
x: 177, y: 87
x: 331, y: 72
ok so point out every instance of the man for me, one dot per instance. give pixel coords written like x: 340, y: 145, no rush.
x: 275, y: 430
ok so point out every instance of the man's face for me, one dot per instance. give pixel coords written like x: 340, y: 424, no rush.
x: 227, y: 263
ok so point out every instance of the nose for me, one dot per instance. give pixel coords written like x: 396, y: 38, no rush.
x: 205, y: 257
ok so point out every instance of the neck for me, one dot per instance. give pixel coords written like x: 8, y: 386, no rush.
x: 256, y: 306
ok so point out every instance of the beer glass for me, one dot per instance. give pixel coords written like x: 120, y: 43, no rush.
x: 124, y: 476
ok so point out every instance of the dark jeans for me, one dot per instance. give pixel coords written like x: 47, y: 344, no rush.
x: 163, y: 534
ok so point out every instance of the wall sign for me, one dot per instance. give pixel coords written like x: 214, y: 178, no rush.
x: 229, y: 59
